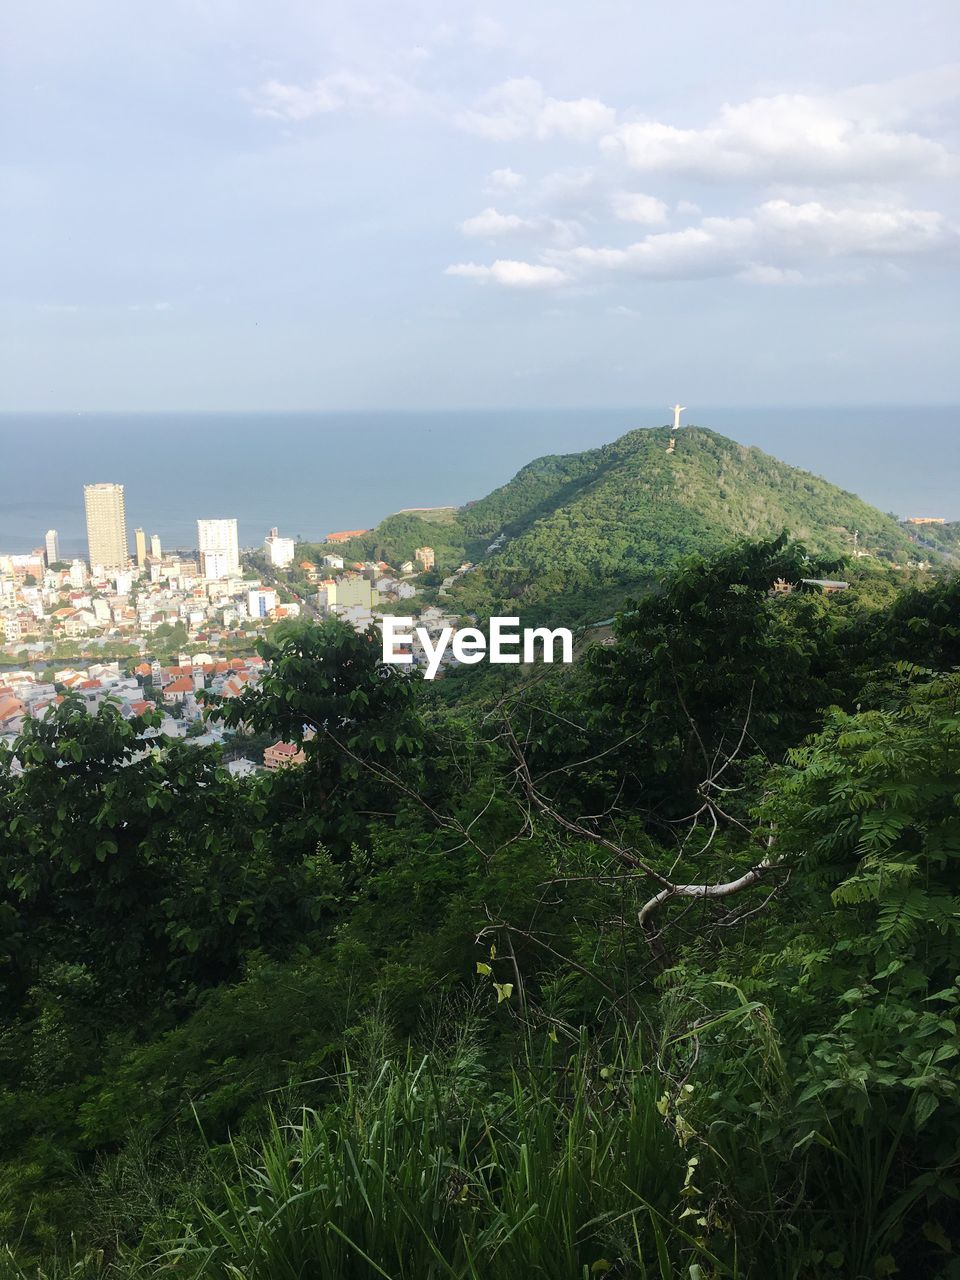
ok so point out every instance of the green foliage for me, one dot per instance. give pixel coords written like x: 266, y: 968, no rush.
x: 587, y: 528
x: 716, y: 661
x: 871, y: 808
x: 581, y: 531
x: 390, y: 1012
x: 327, y: 690
x: 136, y: 857
x: 425, y: 1167
x: 395, y: 539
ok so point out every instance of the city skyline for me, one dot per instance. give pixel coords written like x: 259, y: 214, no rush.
x: 427, y: 460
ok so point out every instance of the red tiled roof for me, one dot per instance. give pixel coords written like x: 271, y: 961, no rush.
x: 344, y: 535
x: 10, y: 708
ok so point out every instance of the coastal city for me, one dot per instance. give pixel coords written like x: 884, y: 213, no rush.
x: 160, y: 628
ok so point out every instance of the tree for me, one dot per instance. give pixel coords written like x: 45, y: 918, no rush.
x: 713, y: 651
x: 356, y: 718
x: 135, y: 856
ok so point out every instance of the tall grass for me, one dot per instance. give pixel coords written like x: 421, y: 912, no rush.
x: 582, y: 1160
x: 423, y: 1170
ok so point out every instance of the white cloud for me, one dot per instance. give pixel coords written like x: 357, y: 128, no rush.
x: 510, y: 274
x: 520, y: 109
x: 341, y: 91
x: 776, y: 243
x: 631, y: 206
x: 759, y: 273
x: 904, y: 97
x: 493, y: 223
x: 717, y: 247
x: 856, y: 231
x: 502, y: 180
x: 792, y: 137
x: 569, y: 187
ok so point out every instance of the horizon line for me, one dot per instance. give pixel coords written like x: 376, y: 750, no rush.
x: 503, y: 408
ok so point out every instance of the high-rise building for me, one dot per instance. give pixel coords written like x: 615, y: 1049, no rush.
x: 279, y: 551
x: 106, y: 525
x: 141, y: 540
x: 218, y: 547
x: 51, y: 545
x: 156, y: 551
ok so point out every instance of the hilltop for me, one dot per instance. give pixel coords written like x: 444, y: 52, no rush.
x: 583, y: 528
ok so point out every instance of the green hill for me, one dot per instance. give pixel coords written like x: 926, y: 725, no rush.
x: 595, y: 523
x: 942, y: 538
x: 579, y: 530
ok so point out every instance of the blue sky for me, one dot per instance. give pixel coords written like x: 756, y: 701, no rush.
x: 222, y: 204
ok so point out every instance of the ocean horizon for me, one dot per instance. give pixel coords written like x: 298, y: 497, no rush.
x: 311, y: 473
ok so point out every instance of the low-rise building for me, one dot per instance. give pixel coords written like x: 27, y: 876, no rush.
x: 279, y: 551
x: 281, y: 755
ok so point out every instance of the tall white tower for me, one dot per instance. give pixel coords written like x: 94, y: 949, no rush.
x: 106, y: 525
x: 51, y: 545
x: 219, y: 548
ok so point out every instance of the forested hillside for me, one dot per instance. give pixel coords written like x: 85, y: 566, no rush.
x: 941, y: 538
x: 580, y: 531
x: 396, y: 538
x: 597, y: 524
x: 645, y: 967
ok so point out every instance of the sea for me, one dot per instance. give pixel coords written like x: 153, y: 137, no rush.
x: 311, y: 473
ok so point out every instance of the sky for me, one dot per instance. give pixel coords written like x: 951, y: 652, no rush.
x: 225, y: 204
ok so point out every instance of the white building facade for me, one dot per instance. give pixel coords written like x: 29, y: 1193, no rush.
x: 219, y: 548
x: 261, y: 602
x: 279, y: 551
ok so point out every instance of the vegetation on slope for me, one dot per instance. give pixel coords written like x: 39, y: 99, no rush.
x: 942, y: 539
x: 406, y: 1011
x: 395, y: 539
x: 580, y: 531
x: 625, y: 512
